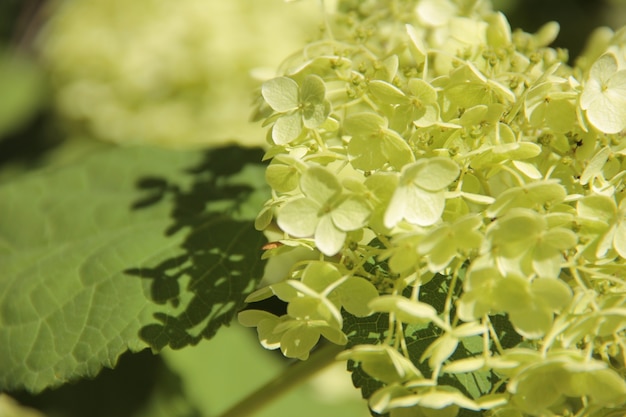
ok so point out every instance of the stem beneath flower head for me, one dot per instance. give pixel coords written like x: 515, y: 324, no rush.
x: 291, y: 377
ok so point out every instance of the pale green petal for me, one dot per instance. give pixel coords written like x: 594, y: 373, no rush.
x: 396, y: 151
x: 404, y: 258
x: 441, y: 399
x: 538, y: 388
x: 530, y: 195
x: 605, y: 386
x: 319, y: 184
x: 389, y: 396
x: 281, y: 94
x: 334, y: 335
x: 284, y: 291
x: 366, y: 153
x: 396, y: 208
x: 469, y: 94
x: 423, y: 208
x: 269, y: 338
x: 367, y: 124
x: 440, y: 350
x: 287, y: 128
x: 429, y: 118
x: 498, y: 31
x: 435, y: 12
x: 474, y: 115
x: 382, y: 362
x: 560, y: 238
x: 387, y: 93
x: 315, y: 115
x: 512, y: 294
x: 603, y: 68
x: 264, y: 218
x: 298, y: 342
x: 547, y: 261
x: 606, y: 242
x: 307, y: 308
x: 473, y: 305
x: 440, y: 256
x: 282, y: 178
x: 553, y: 293
x: 528, y: 169
x: 465, y: 232
x: 561, y: 115
x: 313, y: 90
x: 407, y: 311
x: 521, y: 150
x: 328, y: 238
x: 319, y: 275
x: 431, y: 174
x: 299, y: 218
x: 604, y: 95
x: 533, y: 322
x: 547, y: 34
x: 351, y: 214
x: 619, y: 239
x: 591, y: 92
x: 355, y: 295
x: 422, y: 90
x: 608, y: 111
x: 252, y: 318
x: 594, y: 167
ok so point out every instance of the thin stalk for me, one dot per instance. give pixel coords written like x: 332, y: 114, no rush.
x: 291, y: 377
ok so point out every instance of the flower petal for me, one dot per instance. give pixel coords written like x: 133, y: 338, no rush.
x: 281, y: 94
x: 299, y: 217
x: 328, y: 238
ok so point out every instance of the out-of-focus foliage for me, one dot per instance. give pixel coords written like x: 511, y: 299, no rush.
x: 168, y: 73
x: 21, y: 91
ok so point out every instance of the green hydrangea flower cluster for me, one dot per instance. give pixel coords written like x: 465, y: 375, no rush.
x: 163, y: 73
x: 425, y: 138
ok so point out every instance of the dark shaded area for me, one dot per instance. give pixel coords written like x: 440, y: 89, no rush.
x: 28, y: 146
x: 358, y: 330
x: 577, y: 19
x: 122, y: 392
x: 9, y: 12
x: 20, y: 21
x: 221, y: 255
x: 273, y: 305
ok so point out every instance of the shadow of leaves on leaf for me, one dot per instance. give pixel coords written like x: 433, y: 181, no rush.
x: 365, y: 330
x: 418, y: 337
x: 218, y: 263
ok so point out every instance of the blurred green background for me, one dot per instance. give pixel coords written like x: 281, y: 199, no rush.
x: 181, y: 74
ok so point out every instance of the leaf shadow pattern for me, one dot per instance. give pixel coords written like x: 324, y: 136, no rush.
x: 218, y: 263
x: 365, y: 330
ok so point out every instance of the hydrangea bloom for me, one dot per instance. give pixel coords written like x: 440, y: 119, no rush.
x: 476, y: 181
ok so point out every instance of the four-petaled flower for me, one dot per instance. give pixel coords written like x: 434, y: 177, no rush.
x: 604, y: 95
x: 324, y: 212
x: 420, y: 196
x: 298, y: 107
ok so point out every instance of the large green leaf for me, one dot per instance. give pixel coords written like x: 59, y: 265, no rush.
x: 124, y: 249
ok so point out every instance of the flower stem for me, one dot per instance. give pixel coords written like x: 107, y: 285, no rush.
x: 288, y: 379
